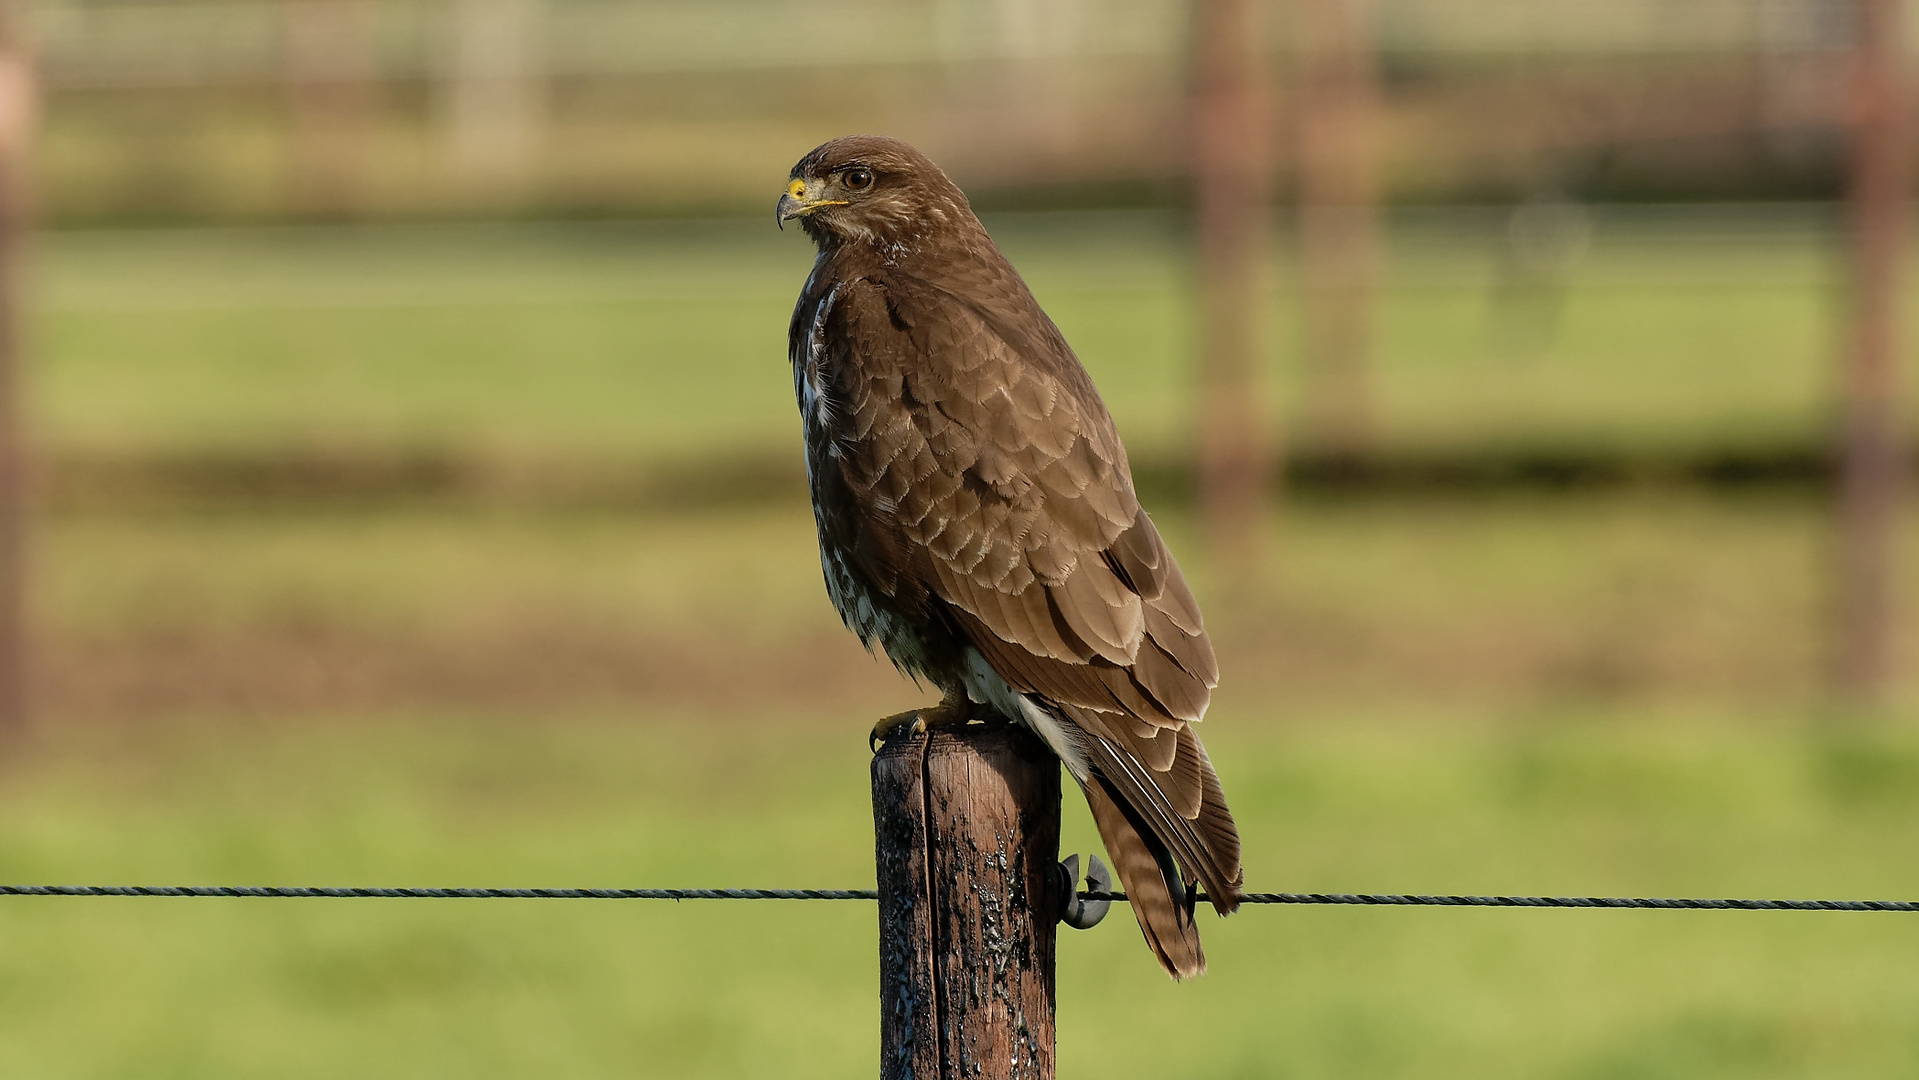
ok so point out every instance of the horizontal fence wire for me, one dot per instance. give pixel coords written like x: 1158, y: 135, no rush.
x: 1656, y: 902
x: 1335, y: 899
x: 295, y: 892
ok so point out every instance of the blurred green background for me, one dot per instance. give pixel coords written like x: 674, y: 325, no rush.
x: 419, y: 504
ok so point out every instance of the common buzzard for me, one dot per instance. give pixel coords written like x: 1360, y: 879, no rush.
x: 977, y: 519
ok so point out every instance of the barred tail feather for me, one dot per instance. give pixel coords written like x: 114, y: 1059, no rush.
x: 1160, y: 900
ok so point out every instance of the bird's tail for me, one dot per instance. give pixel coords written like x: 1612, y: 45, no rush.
x: 1161, y: 901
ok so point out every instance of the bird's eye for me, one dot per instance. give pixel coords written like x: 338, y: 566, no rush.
x: 857, y: 179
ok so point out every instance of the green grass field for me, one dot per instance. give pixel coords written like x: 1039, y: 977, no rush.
x: 1608, y: 692
x: 1602, y: 695
x: 1493, y: 604
x: 1674, y: 331
x: 1689, y: 804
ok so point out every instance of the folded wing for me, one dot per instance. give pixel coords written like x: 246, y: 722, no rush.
x: 979, y: 449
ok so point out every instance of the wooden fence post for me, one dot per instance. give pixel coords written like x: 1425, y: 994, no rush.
x: 331, y: 57
x: 966, y: 836
x: 1870, y: 446
x: 1228, y: 120
x: 17, y: 108
x: 1338, y: 114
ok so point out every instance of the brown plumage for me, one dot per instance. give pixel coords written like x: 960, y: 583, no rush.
x: 977, y: 518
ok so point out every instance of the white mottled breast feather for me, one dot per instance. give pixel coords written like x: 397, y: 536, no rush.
x: 874, y: 622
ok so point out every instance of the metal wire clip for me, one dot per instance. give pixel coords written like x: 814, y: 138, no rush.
x: 1079, y: 912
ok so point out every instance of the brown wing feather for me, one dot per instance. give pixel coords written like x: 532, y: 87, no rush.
x: 1166, y: 920
x: 1180, y: 804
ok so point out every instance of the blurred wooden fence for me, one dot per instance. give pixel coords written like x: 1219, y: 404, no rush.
x: 402, y: 105
x: 128, y: 42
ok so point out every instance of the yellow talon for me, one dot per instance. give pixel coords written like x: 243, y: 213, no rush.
x: 887, y: 727
x: 953, y: 709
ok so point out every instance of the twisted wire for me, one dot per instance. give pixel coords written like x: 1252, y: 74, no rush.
x: 1338, y: 899
x: 353, y: 892
x: 1655, y: 902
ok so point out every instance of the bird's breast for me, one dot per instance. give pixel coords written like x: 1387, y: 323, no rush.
x: 838, y: 517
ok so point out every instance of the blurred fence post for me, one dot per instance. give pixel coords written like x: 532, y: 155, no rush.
x: 331, y: 72
x: 1871, y: 473
x: 966, y: 842
x: 495, y: 97
x: 1228, y: 122
x: 1337, y: 96
x: 17, y: 108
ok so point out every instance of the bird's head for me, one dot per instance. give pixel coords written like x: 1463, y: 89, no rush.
x: 871, y: 189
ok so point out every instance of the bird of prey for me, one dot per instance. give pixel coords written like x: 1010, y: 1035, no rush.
x: 977, y: 520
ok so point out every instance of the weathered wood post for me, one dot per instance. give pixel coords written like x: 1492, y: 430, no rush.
x: 966, y: 835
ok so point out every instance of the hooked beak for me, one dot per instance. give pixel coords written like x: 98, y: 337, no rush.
x: 801, y: 199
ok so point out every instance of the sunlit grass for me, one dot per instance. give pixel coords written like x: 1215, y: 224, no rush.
x: 1686, y: 803
x: 1515, y: 601
x: 1531, y: 694
x: 668, y: 340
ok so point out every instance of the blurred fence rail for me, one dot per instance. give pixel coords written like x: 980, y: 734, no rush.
x: 239, y: 41
x: 229, y: 108
x: 146, y: 43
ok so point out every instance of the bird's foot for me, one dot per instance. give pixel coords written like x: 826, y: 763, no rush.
x: 953, y: 709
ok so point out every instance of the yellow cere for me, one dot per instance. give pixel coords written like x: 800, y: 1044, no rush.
x: 796, y: 188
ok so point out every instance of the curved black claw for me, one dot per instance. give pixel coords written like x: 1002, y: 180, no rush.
x: 884, y: 730
x: 1077, y: 912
